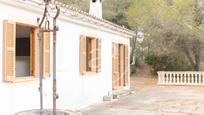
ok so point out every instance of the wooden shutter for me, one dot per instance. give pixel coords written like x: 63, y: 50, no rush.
x: 36, y: 53
x: 115, y: 66
x: 122, y: 64
x: 98, y: 62
x: 89, y: 43
x: 9, y: 51
x: 82, y: 55
x: 94, y: 55
x: 46, y: 54
x: 126, y: 65
x: 32, y: 53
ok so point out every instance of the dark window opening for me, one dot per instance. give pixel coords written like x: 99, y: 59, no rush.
x: 23, y: 47
x: 23, y: 35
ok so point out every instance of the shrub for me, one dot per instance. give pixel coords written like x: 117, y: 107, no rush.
x: 167, y: 62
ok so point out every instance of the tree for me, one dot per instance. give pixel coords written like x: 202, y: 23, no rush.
x: 81, y: 4
x: 170, y: 26
x: 113, y: 10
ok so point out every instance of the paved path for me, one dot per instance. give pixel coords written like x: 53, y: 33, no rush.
x: 150, y: 99
x: 154, y: 101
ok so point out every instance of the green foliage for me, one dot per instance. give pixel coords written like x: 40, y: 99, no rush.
x: 81, y: 4
x: 114, y: 10
x: 167, y: 22
x: 170, y: 62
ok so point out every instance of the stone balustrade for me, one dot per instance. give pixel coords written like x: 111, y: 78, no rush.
x: 180, y: 78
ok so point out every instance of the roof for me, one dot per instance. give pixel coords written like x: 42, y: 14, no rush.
x: 73, y: 12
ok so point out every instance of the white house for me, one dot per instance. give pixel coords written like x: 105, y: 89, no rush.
x: 92, y: 57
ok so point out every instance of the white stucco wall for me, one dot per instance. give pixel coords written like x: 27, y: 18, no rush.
x: 74, y: 91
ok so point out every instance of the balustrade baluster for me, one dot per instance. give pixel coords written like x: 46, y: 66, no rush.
x: 192, y: 77
x: 168, y: 78
x: 179, y: 78
x: 184, y: 78
x: 188, y: 78
x: 199, y: 77
x: 159, y: 77
x: 173, y: 77
x: 164, y: 78
x: 195, y: 78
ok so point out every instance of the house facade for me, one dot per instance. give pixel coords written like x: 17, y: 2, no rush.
x: 92, y: 58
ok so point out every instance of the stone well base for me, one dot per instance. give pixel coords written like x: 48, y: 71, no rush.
x: 39, y: 112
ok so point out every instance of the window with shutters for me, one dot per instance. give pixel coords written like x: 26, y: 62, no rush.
x: 90, y: 55
x: 21, y: 52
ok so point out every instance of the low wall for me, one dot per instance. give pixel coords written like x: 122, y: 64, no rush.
x: 180, y: 77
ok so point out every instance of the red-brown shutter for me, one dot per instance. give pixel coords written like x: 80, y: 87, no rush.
x: 98, y: 62
x: 82, y: 54
x: 46, y: 54
x: 9, y: 51
x: 126, y: 65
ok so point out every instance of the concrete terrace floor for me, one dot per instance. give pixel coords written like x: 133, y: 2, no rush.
x: 150, y: 99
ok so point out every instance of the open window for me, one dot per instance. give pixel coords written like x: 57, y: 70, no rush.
x: 20, y: 52
x: 90, y: 55
x: 24, y: 55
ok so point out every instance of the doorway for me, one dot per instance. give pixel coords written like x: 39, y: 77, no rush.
x: 119, y: 66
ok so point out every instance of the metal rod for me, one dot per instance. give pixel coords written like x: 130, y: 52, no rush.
x: 40, y: 65
x: 41, y: 69
x: 40, y: 39
x: 54, y: 67
x: 55, y: 29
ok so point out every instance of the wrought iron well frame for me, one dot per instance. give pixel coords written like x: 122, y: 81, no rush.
x: 45, y: 20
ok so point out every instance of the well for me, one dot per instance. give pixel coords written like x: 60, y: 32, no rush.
x: 39, y: 112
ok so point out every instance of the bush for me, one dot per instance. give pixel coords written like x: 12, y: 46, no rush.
x: 168, y: 62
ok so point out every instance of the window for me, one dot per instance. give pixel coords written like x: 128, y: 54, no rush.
x: 90, y: 55
x: 23, y: 56
x: 20, y: 53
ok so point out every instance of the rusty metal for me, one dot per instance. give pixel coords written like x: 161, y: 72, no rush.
x: 45, y: 20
